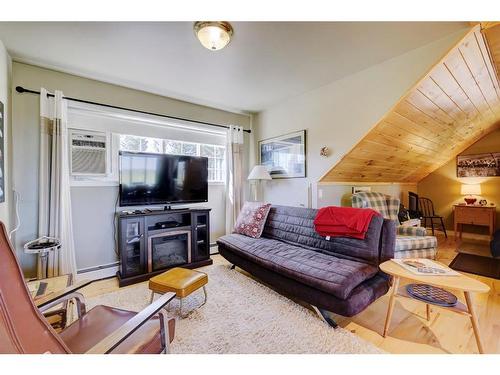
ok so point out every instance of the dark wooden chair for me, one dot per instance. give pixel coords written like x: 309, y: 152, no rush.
x: 101, y: 330
x: 426, y: 208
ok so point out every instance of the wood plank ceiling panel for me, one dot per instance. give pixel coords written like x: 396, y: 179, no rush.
x: 454, y: 105
x: 491, y: 44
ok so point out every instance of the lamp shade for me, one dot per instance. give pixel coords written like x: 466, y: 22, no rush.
x: 471, y: 189
x: 259, y: 172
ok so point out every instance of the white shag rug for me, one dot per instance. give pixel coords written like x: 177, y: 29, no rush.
x: 242, y: 316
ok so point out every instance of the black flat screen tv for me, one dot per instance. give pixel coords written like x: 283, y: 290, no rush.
x: 154, y: 179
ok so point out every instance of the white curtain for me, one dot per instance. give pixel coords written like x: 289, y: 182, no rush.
x: 234, y: 162
x: 54, y: 214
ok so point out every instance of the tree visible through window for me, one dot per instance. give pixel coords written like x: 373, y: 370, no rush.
x: 214, y: 153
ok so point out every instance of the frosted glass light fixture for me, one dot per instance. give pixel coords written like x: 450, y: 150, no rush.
x: 213, y: 35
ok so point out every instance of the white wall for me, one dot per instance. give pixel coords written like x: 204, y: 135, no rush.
x: 92, y: 206
x: 339, y: 114
x: 341, y: 194
x: 5, y: 78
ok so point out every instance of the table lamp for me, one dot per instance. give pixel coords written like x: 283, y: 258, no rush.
x: 469, y: 190
x: 258, y: 173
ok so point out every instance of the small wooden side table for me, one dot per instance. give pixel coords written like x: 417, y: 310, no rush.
x: 56, y: 316
x: 474, y: 215
x: 459, y: 283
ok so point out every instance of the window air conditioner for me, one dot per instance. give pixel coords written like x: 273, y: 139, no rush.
x: 89, y: 153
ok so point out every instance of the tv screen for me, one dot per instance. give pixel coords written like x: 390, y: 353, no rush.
x: 149, y: 179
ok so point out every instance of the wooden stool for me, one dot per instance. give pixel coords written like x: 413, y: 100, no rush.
x: 181, y: 281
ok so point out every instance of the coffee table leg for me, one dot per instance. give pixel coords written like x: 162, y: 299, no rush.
x: 395, y: 286
x: 473, y: 319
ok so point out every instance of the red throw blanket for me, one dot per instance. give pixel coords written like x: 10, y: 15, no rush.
x: 343, y: 221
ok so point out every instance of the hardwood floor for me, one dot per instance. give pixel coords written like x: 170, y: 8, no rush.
x: 446, y: 332
x: 410, y: 332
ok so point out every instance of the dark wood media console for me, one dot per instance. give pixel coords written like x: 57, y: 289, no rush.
x: 153, y: 241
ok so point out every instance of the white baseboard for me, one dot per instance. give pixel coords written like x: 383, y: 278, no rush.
x: 97, y: 274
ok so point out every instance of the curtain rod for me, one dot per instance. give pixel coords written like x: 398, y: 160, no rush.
x: 21, y: 90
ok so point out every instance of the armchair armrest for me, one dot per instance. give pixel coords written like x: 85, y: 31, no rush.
x: 49, y: 299
x: 411, y: 231
x: 109, y: 343
x: 78, y: 297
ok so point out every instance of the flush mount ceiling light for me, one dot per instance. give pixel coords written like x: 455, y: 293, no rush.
x: 213, y: 35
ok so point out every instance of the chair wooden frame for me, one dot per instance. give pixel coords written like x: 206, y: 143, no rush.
x: 426, y: 208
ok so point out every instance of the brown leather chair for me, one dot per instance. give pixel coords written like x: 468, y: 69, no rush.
x: 103, y: 329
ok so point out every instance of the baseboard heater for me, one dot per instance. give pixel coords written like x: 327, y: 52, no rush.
x: 115, y: 264
x: 212, y: 245
x: 98, y: 268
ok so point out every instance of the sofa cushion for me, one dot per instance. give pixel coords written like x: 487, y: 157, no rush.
x: 411, y: 231
x: 295, y: 225
x: 404, y: 243
x: 329, y: 273
x: 361, y: 296
x: 429, y: 253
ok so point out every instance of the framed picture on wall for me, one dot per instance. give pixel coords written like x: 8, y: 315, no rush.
x: 284, y: 156
x: 2, y: 150
x: 479, y: 165
x: 359, y: 189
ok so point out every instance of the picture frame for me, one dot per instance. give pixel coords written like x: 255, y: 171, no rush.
x: 359, y: 189
x: 479, y: 165
x: 284, y: 155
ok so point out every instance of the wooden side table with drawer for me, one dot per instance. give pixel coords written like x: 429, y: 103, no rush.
x: 474, y: 215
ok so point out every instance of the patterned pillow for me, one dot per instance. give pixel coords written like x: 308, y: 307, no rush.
x: 252, y: 218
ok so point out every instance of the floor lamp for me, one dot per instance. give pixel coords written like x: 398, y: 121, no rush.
x: 258, y: 173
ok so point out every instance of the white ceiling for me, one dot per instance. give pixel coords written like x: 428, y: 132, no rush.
x: 265, y: 62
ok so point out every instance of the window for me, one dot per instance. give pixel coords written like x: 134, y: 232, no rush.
x: 216, y: 154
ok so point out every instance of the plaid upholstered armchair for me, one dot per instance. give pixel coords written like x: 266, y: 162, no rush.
x: 411, y: 242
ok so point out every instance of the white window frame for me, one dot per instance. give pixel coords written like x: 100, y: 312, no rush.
x: 90, y: 117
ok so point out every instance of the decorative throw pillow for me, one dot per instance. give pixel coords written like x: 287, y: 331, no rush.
x: 252, y: 218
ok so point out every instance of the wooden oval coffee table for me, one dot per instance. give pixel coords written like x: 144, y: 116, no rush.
x: 459, y: 283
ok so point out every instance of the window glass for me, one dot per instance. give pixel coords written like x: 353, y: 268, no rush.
x: 189, y: 149
x: 207, y: 150
x: 173, y: 147
x: 130, y: 143
x: 216, y: 154
x: 152, y: 145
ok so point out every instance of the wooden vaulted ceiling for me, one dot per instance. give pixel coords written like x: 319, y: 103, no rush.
x: 455, y: 104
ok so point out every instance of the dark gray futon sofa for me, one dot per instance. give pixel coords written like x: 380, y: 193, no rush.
x: 340, y: 275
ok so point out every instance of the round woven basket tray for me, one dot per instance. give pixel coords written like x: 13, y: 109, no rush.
x: 432, y: 294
